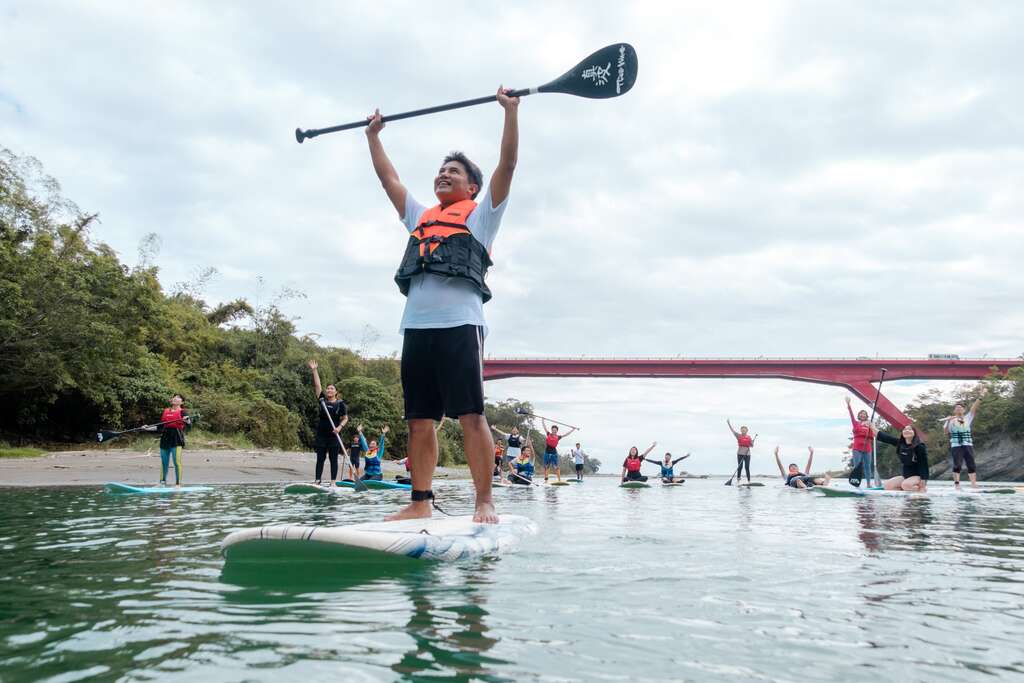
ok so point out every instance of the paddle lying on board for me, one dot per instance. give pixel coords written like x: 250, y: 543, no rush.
x: 609, y: 72
x: 358, y: 484
x: 107, y: 435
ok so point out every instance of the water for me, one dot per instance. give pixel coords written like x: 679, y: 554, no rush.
x: 700, y: 582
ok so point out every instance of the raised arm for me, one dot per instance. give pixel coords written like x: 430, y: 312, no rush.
x: 568, y: 433
x: 501, y: 433
x: 544, y: 424
x: 810, y: 459
x: 734, y: 432
x: 679, y: 459
x: 501, y: 179
x: 316, y: 378
x: 382, y: 166
x: 849, y: 409
x: 653, y: 462
x: 977, y: 402
x: 778, y: 462
x: 362, y: 439
x: 380, y: 442
x: 651, y: 448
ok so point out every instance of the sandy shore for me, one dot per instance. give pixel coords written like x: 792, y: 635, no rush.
x: 71, y: 468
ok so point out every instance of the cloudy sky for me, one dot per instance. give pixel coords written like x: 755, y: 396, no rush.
x: 785, y: 179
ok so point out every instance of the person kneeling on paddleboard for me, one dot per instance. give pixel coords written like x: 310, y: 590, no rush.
x: 799, y: 480
x: 442, y: 274
x: 913, y: 454
x: 372, y: 454
x: 631, y: 465
x: 667, y: 466
x: 521, y: 470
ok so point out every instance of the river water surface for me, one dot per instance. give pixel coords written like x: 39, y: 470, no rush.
x: 700, y: 582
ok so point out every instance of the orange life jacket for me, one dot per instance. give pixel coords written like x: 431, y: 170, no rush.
x: 442, y: 245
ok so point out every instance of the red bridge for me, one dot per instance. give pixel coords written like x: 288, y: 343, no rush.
x: 854, y: 374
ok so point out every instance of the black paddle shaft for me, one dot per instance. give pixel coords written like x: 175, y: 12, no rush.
x: 608, y: 72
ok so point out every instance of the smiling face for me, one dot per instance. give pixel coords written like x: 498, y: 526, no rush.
x: 743, y: 430
x: 331, y: 391
x: 793, y: 469
x: 373, y: 445
x: 909, y: 433
x: 453, y: 184
x: 634, y: 452
x: 176, y: 401
x: 862, y: 416
x: 515, y: 431
x: 958, y: 410
x: 668, y: 458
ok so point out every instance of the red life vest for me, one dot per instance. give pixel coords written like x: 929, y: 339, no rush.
x: 173, y: 419
x: 744, y: 441
x: 442, y: 245
x: 633, y: 464
x: 552, y: 440
x: 861, y: 437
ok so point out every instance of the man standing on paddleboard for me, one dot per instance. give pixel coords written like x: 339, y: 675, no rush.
x: 442, y: 275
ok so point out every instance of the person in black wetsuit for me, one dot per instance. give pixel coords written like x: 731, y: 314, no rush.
x: 913, y: 455
x: 793, y: 477
x: 327, y: 442
x: 667, y: 468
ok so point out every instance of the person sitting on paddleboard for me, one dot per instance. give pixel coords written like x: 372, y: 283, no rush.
x: 442, y: 274
x: 744, y: 442
x: 521, y: 471
x: 174, y: 421
x: 327, y: 441
x: 913, y: 454
x: 372, y: 454
x: 961, y: 441
x: 861, y: 451
x: 631, y: 465
x: 551, y: 439
x: 667, y: 466
x: 797, y: 479
x: 579, y: 458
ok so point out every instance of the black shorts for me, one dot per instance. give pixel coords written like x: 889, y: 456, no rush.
x: 963, y: 455
x: 353, y: 457
x: 442, y: 372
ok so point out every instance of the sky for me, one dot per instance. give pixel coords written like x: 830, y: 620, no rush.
x: 819, y: 179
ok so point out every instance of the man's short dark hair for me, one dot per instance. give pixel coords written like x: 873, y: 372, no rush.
x: 472, y: 170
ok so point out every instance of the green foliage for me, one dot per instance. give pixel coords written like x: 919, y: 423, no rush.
x: 86, y: 342
x: 7, y: 451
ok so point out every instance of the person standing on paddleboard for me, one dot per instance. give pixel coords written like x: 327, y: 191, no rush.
x: 551, y: 439
x: 175, y: 420
x: 442, y: 274
x: 913, y: 454
x: 862, y: 455
x: 327, y: 443
x: 372, y: 454
x: 961, y: 440
x: 499, y: 457
x: 792, y: 476
x: 579, y: 458
x: 513, y: 443
x: 668, y: 474
x: 353, y: 466
x: 744, y: 442
x: 633, y: 462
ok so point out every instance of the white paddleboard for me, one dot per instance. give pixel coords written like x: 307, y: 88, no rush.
x: 117, y: 487
x: 441, y: 538
x: 942, y: 491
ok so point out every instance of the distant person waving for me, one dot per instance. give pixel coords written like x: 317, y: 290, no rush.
x: 326, y: 442
x: 442, y: 274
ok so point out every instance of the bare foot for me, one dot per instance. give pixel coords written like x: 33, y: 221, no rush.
x: 485, y: 512
x: 418, y: 509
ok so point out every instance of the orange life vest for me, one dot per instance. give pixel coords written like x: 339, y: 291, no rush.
x: 442, y: 245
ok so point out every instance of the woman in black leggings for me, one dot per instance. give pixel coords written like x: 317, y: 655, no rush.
x: 744, y: 442
x: 327, y: 442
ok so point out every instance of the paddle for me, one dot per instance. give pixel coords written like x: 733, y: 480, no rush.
x: 729, y: 483
x: 357, y: 483
x: 107, y: 435
x: 874, y: 432
x: 609, y: 72
x: 520, y: 411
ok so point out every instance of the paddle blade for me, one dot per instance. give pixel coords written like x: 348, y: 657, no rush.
x: 609, y: 72
x: 106, y: 436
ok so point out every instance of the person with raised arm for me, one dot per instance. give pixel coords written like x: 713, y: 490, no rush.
x: 913, y: 455
x: 631, y: 465
x: 442, y: 274
x: 551, y: 439
x: 327, y: 443
x: 668, y: 475
x: 961, y: 440
x: 862, y: 461
x: 521, y: 469
x: 792, y: 476
x: 373, y: 454
x: 744, y: 442
x: 513, y: 444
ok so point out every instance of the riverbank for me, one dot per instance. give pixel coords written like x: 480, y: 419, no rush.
x: 91, y: 467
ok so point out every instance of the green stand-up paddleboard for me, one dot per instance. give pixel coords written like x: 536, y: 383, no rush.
x: 558, y: 483
x: 313, y: 488
x: 374, y: 484
x: 634, y: 485
x: 674, y: 483
x: 753, y: 483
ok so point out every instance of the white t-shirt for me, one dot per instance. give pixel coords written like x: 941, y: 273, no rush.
x: 578, y: 455
x: 438, y: 302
